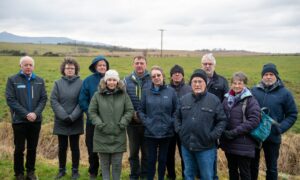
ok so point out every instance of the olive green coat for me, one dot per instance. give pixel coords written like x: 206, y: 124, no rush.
x: 110, y: 112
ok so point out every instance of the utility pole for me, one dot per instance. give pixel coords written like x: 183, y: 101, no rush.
x: 161, y: 41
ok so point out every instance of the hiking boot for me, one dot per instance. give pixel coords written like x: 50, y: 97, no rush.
x: 60, y: 174
x: 75, y: 174
x: 20, y: 177
x: 93, y: 177
x: 31, y: 176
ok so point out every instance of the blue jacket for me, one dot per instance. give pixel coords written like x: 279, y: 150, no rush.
x: 281, y: 104
x: 243, y: 144
x: 200, y: 121
x: 25, y: 95
x: 157, y: 112
x: 181, y: 89
x: 90, y: 86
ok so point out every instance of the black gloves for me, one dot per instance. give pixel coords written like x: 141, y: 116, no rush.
x: 229, y: 134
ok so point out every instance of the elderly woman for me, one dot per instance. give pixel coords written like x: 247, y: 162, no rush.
x: 110, y: 111
x: 157, y: 111
x: 236, y: 141
x: 68, y: 124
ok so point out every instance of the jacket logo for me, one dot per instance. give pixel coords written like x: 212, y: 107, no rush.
x: 165, y: 97
x: 21, y: 86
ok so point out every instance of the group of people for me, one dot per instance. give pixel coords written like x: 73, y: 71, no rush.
x: 198, y: 117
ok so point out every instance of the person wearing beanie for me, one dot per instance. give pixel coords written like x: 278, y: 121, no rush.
x: 200, y: 115
x: 178, y: 84
x: 157, y: 112
x: 98, y: 67
x: 136, y: 83
x: 110, y: 111
x: 272, y: 94
x: 216, y: 84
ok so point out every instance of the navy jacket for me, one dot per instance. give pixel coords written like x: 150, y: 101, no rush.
x: 282, y: 107
x: 25, y: 95
x: 200, y: 121
x: 157, y: 112
x: 243, y: 144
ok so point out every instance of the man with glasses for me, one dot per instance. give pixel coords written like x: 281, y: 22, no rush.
x: 216, y: 85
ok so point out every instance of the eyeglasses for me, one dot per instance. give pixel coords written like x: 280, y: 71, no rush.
x: 207, y: 64
x: 70, y: 68
x: 155, y: 75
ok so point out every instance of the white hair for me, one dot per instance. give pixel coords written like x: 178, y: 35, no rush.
x: 209, y: 57
x: 26, y: 58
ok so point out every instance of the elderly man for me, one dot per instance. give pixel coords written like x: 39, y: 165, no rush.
x: 26, y: 96
x: 272, y: 94
x: 200, y: 121
x: 138, y: 81
x: 178, y: 84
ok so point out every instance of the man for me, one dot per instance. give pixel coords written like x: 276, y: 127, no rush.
x: 138, y: 81
x: 178, y: 84
x: 26, y: 96
x: 200, y: 121
x: 216, y: 85
x: 272, y: 94
x: 98, y: 67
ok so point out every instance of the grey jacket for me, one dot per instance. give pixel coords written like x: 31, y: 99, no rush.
x: 64, y: 102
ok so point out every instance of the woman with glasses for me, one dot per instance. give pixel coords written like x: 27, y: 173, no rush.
x: 157, y: 112
x: 68, y: 124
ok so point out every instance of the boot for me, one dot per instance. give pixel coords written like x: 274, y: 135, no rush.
x: 31, y: 176
x: 61, y: 173
x: 75, y: 174
x: 20, y: 177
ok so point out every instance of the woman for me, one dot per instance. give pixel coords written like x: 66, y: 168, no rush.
x: 68, y: 124
x: 236, y: 141
x: 158, y: 105
x: 110, y: 111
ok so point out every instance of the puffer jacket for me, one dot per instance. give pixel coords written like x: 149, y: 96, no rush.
x: 200, y: 121
x: 279, y: 100
x: 243, y: 144
x: 25, y: 95
x: 157, y: 112
x: 110, y: 112
x: 64, y: 103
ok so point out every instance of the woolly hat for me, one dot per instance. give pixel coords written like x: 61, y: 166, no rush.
x: 95, y: 61
x: 199, y: 73
x: 176, y: 69
x: 270, y: 67
x: 111, y: 74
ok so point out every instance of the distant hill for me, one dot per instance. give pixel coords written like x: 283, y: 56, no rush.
x: 12, y: 38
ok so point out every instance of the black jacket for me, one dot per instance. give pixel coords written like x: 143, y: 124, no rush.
x: 218, y: 86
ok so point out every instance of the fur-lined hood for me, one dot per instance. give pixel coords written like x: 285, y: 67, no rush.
x: 102, y: 88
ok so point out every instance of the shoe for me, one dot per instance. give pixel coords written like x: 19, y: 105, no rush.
x: 20, y: 177
x: 75, y: 174
x: 31, y: 176
x: 93, y: 177
x: 60, y: 174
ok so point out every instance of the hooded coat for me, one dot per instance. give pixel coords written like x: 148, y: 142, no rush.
x: 110, y: 112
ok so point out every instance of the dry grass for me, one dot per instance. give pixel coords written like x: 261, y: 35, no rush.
x: 288, y: 164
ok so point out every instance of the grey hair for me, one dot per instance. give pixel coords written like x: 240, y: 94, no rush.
x: 26, y: 58
x: 240, y: 76
x: 209, y: 57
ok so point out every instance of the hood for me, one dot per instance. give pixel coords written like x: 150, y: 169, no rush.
x: 95, y: 61
x: 120, y: 87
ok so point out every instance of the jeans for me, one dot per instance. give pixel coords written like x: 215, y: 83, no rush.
x: 63, y: 147
x: 239, y: 167
x: 25, y: 132
x: 199, y: 161
x: 114, y: 160
x: 93, y: 157
x: 138, y: 166
x: 157, y: 149
x: 271, y: 151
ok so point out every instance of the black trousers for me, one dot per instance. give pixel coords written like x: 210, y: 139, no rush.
x: 171, y: 157
x: 239, y: 167
x: 25, y: 133
x: 62, y: 151
x: 93, y: 157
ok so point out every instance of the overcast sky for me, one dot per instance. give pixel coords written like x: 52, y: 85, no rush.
x: 255, y: 25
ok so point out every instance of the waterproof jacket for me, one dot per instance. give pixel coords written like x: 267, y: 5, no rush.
x: 200, y: 121
x: 135, y: 87
x: 243, y: 144
x: 157, y: 112
x: 90, y: 85
x: 279, y: 100
x: 218, y: 86
x: 181, y: 89
x: 25, y: 95
x: 110, y: 112
x: 64, y: 103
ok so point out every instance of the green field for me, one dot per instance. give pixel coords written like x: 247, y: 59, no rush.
x: 48, y: 68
